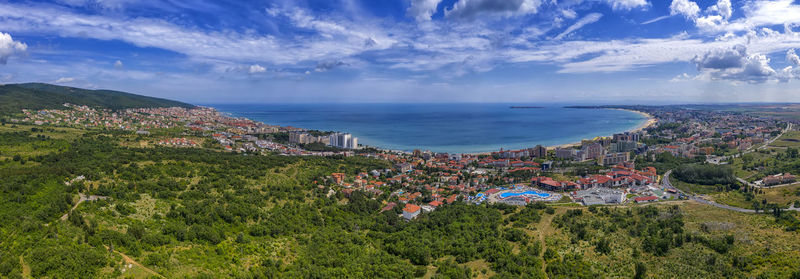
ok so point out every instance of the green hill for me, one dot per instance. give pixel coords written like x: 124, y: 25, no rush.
x: 15, y: 97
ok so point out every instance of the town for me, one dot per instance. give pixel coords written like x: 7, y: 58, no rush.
x: 617, y: 169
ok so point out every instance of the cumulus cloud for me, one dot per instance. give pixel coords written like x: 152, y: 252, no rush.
x: 588, y: 19
x: 713, y: 19
x: 329, y: 65
x: 737, y: 65
x: 9, y: 47
x: 792, y: 57
x: 471, y: 8
x: 723, y: 8
x: 721, y: 58
x: 422, y: 10
x: 627, y: 5
x: 255, y: 68
x: 686, y: 8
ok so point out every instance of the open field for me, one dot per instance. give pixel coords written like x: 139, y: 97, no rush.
x: 789, y: 139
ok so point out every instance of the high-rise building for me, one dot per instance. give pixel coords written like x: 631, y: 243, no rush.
x: 594, y: 150
x: 343, y: 140
x: 538, y: 152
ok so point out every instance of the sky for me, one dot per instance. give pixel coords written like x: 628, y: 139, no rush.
x: 510, y: 51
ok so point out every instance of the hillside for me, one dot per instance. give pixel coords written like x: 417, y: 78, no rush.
x: 15, y: 97
x: 200, y: 213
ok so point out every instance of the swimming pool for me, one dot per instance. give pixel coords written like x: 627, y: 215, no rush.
x: 510, y: 194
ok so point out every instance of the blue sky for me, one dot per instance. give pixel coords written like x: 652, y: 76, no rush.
x: 571, y: 51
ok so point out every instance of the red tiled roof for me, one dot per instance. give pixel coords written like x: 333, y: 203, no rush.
x: 648, y: 198
x: 411, y: 208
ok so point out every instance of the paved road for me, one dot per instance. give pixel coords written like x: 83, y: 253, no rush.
x: 717, y: 160
x: 699, y: 199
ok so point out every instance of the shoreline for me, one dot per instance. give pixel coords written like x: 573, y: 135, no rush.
x: 651, y: 120
x: 646, y: 124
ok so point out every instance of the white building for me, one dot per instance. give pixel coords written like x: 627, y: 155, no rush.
x: 411, y: 211
x: 343, y: 140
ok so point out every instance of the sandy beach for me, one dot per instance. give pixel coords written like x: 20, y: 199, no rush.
x: 650, y: 122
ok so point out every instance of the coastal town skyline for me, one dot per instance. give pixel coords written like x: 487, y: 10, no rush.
x: 523, y: 51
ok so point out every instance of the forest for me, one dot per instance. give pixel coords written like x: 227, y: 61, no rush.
x: 198, y: 213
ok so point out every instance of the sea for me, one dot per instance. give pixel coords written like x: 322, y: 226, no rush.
x: 452, y: 128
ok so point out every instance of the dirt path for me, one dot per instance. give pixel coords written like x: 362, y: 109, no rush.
x: 82, y: 199
x: 26, y: 269
x: 129, y: 260
x: 545, y: 228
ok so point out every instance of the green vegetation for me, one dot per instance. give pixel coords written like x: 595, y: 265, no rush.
x: 664, y: 161
x: 789, y: 139
x: 201, y: 213
x: 15, y: 97
x: 706, y: 174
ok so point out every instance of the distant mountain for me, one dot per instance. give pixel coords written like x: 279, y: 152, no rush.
x: 15, y: 97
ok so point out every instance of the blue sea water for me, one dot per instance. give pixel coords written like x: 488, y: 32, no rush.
x: 453, y: 128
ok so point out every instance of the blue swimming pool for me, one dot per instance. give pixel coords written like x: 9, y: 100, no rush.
x: 509, y: 194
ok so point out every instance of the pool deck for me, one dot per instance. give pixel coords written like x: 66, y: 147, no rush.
x: 530, y: 193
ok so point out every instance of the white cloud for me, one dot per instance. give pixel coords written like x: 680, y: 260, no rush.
x: 569, y: 13
x: 255, y: 68
x: 588, y: 19
x: 762, y: 13
x: 325, y: 39
x: 64, y: 80
x: 723, y: 8
x: 687, y: 8
x: 656, y: 19
x: 792, y: 57
x: 627, y: 5
x: 738, y: 66
x: 422, y: 10
x: 721, y: 58
x: 9, y: 47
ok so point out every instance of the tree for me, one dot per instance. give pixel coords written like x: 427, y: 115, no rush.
x: 641, y: 271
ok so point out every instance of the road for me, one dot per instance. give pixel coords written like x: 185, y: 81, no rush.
x: 717, y: 160
x: 696, y: 198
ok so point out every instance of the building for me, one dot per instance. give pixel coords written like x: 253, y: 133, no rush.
x: 343, y: 140
x: 411, y: 211
x: 645, y: 199
x: 593, y: 151
x: 566, y: 153
x: 778, y: 179
x: 538, y: 152
x: 306, y: 138
x: 600, y: 196
x: 403, y: 167
x: 623, y: 146
x: 627, y: 136
x: 615, y: 158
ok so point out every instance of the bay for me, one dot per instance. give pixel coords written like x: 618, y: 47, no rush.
x: 453, y: 128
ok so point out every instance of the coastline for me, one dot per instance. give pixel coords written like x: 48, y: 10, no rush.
x: 643, y: 125
x: 651, y: 120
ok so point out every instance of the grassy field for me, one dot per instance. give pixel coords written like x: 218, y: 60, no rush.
x: 692, y: 188
x: 732, y: 198
x: 789, y: 139
x: 782, y: 195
